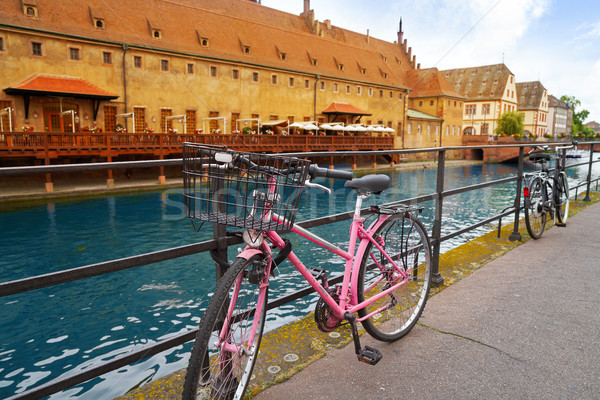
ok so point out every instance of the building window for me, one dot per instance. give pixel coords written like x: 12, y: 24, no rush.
x: 291, y: 82
x: 255, y: 77
x: 359, y: 90
x: 485, y: 109
x: 347, y: 89
x: 306, y: 83
x: 139, y: 119
x: 380, y: 93
x: 30, y: 11
x: 107, y: 57
x: 246, y: 49
x: 190, y: 121
x: 314, y: 62
x: 137, y: 61
x: 400, y: 97
x: 213, y: 71
x: 274, y: 79
x: 99, y: 23
x: 156, y: 34
x: 164, y: 65
x: 234, y: 118
x: 470, y: 109
x: 204, y: 42
x: 341, y: 67
x: 431, y: 102
x: 165, y: 124
x: 428, y: 129
x: 290, y: 119
x: 74, y: 53
x: 190, y: 68
x: 110, y: 119
x: 420, y: 103
x: 282, y: 56
x: 453, y: 129
x: 322, y: 85
x: 370, y: 91
x: 235, y: 74
x: 1, y: 43
x: 335, y: 88
x: 485, y: 128
x: 418, y: 129
x: 409, y: 128
x: 391, y: 95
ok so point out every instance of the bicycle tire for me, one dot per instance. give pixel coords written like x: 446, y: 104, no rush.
x: 405, y: 239
x: 226, y: 375
x: 535, y: 215
x: 562, y: 199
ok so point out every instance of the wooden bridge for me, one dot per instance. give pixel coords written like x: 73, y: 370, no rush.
x: 47, y: 146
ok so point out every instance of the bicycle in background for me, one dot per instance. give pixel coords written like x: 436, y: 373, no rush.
x: 546, y: 192
x: 386, y: 279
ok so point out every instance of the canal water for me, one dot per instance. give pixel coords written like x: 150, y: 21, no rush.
x: 54, y: 332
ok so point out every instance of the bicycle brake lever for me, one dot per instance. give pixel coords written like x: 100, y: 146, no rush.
x: 308, y: 183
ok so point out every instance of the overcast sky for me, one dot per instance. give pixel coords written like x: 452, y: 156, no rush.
x: 554, y: 41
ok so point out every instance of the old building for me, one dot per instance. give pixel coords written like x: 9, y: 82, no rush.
x: 560, y: 117
x: 435, y: 111
x: 489, y: 91
x: 533, y: 104
x: 145, y: 65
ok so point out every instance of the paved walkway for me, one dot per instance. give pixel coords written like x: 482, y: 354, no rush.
x: 526, y: 325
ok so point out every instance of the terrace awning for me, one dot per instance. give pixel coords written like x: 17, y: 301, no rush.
x: 59, y: 86
x: 344, y: 109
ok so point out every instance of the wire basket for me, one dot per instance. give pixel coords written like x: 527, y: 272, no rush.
x: 242, y: 189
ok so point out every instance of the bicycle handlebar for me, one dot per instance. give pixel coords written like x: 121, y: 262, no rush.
x: 545, y: 148
x: 315, y: 171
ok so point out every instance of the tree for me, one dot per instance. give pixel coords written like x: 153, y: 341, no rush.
x: 578, y: 117
x: 510, y: 124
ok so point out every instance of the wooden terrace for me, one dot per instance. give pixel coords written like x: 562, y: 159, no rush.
x: 47, y: 146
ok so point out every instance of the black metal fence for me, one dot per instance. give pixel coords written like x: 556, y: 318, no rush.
x: 222, y: 242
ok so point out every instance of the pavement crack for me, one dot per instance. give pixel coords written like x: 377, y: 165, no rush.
x: 471, y: 340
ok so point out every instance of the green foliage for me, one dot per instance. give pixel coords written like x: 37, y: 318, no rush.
x: 511, y: 124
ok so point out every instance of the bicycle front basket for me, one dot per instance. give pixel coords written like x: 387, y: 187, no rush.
x: 242, y: 189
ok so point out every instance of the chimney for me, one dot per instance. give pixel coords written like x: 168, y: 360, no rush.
x: 400, y: 33
x: 368, y: 37
x: 306, y: 6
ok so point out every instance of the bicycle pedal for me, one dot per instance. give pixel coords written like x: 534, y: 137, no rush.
x: 319, y: 274
x: 369, y: 355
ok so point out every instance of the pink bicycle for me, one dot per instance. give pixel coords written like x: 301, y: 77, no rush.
x: 386, y: 280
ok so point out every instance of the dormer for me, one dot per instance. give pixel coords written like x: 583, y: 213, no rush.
x: 97, y: 18
x: 245, y: 46
x: 362, y: 69
x: 155, y: 32
x: 30, y: 8
x: 201, y: 39
x: 281, y: 54
x: 313, y: 61
x: 338, y: 64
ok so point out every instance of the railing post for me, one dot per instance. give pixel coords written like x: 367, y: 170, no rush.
x: 49, y: 184
x: 436, y: 234
x: 589, y: 175
x: 515, y: 235
x: 161, y: 177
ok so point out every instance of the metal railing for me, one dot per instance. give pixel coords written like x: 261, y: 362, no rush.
x: 222, y: 242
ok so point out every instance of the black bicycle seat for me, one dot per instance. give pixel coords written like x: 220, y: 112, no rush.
x: 539, y: 157
x: 370, y: 183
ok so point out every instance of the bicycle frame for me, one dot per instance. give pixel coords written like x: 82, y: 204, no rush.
x: 349, y: 291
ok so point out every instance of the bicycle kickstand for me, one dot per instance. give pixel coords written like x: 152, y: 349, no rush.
x: 367, y: 354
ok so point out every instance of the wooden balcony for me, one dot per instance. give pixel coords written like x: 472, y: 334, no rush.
x: 43, y: 145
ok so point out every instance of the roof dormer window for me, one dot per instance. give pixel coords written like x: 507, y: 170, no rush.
x: 283, y: 56
x: 30, y: 10
x: 99, y: 23
x: 246, y: 49
x: 204, y: 42
x: 156, y: 34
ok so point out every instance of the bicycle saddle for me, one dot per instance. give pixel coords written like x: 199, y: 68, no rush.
x: 539, y: 157
x: 370, y: 183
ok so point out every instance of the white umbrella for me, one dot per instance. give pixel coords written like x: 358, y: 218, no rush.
x: 337, y: 128
x: 390, y: 130
x: 351, y: 128
x: 296, y: 125
x: 326, y: 126
x: 379, y: 129
x: 310, y: 127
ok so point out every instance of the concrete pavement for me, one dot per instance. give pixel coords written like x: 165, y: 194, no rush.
x: 526, y: 325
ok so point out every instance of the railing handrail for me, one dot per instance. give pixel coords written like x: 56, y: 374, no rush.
x: 51, y: 279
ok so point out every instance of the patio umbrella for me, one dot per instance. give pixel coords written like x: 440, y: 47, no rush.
x: 310, y: 127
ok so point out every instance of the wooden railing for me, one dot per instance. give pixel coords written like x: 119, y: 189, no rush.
x: 51, y: 145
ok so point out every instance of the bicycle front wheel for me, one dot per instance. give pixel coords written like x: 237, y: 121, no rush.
x: 392, y: 316
x: 562, y: 198
x: 226, y: 346
x: 535, y: 215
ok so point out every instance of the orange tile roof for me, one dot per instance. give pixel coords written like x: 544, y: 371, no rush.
x: 479, y: 83
x: 344, y: 108
x: 60, y: 85
x: 430, y: 83
x: 529, y: 95
x: 228, y: 25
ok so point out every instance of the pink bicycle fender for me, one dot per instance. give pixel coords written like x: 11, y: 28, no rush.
x: 248, y: 253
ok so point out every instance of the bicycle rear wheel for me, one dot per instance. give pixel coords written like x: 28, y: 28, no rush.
x: 405, y: 240
x: 535, y: 215
x: 225, y: 352
x: 562, y: 199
